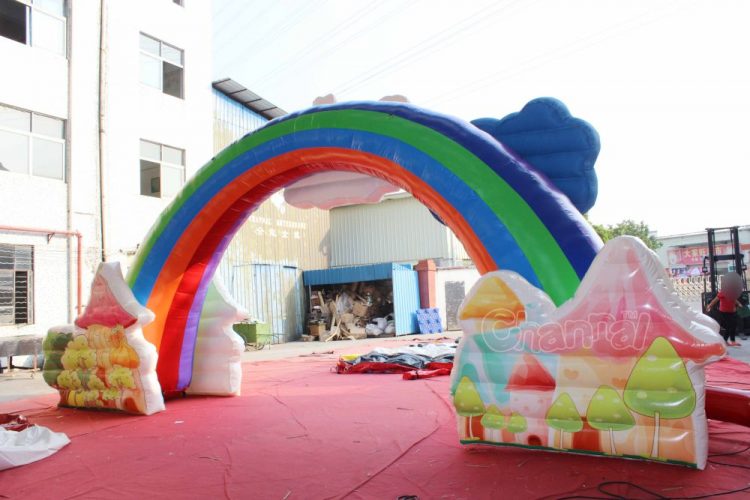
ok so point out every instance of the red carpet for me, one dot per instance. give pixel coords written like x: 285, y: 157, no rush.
x: 300, y: 431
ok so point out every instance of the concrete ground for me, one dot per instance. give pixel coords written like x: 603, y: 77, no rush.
x: 21, y: 384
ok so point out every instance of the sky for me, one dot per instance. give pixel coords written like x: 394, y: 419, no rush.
x: 666, y: 83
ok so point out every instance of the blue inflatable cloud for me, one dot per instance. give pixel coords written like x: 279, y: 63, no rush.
x: 562, y: 147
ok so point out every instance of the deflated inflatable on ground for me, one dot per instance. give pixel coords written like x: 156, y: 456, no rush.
x: 617, y: 370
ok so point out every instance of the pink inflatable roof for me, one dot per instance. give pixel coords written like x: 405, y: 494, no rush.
x: 329, y: 190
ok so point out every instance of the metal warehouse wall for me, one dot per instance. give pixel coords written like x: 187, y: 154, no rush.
x: 232, y: 120
x: 280, y: 234
x: 398, y: 229
x: 271, y: 293
x: 262, y: 267
x: 276, y: 232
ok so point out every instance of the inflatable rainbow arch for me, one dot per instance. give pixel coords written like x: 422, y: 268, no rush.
x: 506, y: 214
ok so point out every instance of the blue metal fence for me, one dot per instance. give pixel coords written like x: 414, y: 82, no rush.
x: 405, y: 300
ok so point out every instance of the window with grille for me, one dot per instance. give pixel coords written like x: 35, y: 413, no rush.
x: 16, y: 284
x: 162, y: 170
x: 39, y: 23
x: 162, y: 66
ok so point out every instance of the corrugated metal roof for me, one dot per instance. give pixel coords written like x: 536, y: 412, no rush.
x: 251, y: 100
x: 351, y: 274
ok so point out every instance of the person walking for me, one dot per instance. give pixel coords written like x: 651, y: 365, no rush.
x: 728, y: 299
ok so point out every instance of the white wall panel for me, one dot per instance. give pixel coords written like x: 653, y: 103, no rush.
x: 398, y: 229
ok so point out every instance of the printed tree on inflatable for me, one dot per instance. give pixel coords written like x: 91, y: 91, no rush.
x: 607, y: 412
x: 627, y: 354
x: 659, y: 387
x: 493, y: 418
x: 563, y: 416
x: 517, y: 424
x: 467, y: 401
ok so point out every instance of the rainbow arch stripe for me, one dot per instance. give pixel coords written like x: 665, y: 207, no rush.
x: 505, y: 213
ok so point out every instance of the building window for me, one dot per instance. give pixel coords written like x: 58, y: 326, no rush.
x: 39, y: 23
x: 162, y: 170
x: 16, y: 284
x: 31, y: 143
x: 162, y: 66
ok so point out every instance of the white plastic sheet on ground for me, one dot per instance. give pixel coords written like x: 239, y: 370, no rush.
x: 29, y: 445
x: 429, y: 350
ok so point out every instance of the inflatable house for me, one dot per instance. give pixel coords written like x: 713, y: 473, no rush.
x: 617, y: 370
x: 103, y: 361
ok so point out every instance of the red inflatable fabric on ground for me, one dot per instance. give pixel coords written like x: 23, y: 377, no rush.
x: 728, y: 392
x: 417, y: 374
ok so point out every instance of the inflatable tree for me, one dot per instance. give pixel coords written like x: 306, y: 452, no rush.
x: 660, y: 387
x: 493, y: 418
x: 607, y: 412
x: 467, y: 401
x: 54, y: 346
x: 517, y: 423
x: 563, y: 416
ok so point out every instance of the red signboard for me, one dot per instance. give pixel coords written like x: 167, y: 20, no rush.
x: 693, y: 256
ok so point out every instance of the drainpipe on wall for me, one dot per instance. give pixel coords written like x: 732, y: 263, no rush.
x: 102, y: 98
x: 69, y: 163
x: 50, y: 233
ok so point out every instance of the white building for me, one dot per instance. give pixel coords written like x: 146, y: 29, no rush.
x: 682, y: 254
x: 106, y: 112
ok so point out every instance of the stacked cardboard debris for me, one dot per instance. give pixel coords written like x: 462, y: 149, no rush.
x: 345, y: 311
